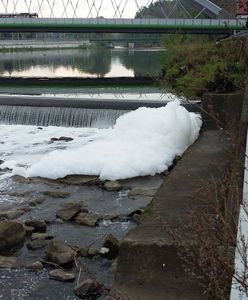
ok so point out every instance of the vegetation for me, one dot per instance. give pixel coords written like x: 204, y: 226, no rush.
x: 194, y: 65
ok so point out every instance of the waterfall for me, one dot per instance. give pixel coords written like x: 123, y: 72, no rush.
x: 59, y: 116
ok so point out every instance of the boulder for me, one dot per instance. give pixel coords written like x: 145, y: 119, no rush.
x: 61, y: 275
x: 62, y: 138
x: 88, y: 289
x: 69, y: 210
x: 112, y: 186
x: 59, y: 253
x: 8, y: 262
x: 38, y: 236
x: 84, y: 252
x: 57, y: 194
x: 79, y: 180
x: 36, y: 244
x: 12, y: 214
x: 29, y: 229
x: 87, y: 219
x: 35, y: 266
x: 38, y: 225
x: 12, y: 234
x: 111, y: 216
x: 113, y: 245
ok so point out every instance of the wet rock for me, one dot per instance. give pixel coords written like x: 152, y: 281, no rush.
x: 111, y: 216
x: 40, y: 128
x: 61, y: 275
x: 20, y: 179
x: 112, y: 186
x: 62, y: 138
x: 69, y: 210
x: 84, y: 252
x: 135, y: 192
x: 12, y: 234
x: 12, y: 214
x: 93, y: 252
x: 87, y: 219
x: 59, y: 221
x: 35, y: 266
x: 57, y: 194
x: 1, y: 161
x: 29, y: 229
x: 39, y: 225
x: 38, y: 236
x: 36, y: 244
x: 79, y: 180
x: 88, y: 289
x: 8, y: 262
x: 20, y: 194
x: 59, y: 253
x: 113, y: 245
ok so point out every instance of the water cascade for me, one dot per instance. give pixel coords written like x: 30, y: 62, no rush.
x: 59, y: 116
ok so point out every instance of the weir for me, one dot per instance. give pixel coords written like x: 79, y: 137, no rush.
x: 68, y: 112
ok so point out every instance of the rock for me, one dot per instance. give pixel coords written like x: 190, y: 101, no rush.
x: 40, y: 128
x: 29, y: 229
x: 111, y: 216
x: 36, y: 244
x: 69, y: 210
x: 93, y: 252
x: 8, y: 262
x: 87, y: 219
x: 57, y: 194
x: 20, y: 194
x: 60, y: 275
x: 20, y: 179
x: 39, y: 225
x: 35, y: 266
x: 79, y: 180
x: 59, y: 221
x: 38, y: 235
x: 12, y: 234
x: 12, y: 214
x: 59, y: 253
x: 113, y: 245
x: 62, y: 138
x: 112, y: 186
x: 1, y: 161
x: 135, y: 192
x: 84, y: 251
x: 88, y: 289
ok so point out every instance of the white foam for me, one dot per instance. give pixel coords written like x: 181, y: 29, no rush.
x: 143, y: 142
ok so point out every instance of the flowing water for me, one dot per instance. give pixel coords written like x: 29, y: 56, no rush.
x: 23, y: 143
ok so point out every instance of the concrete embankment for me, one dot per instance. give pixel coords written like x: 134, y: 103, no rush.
x: 149, y: 267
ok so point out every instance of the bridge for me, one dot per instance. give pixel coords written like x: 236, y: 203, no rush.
x: 117, y: 16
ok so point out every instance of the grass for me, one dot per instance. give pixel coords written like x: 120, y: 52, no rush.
x: 193, y: 65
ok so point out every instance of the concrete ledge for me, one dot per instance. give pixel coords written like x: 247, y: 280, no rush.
x: 149, y: 267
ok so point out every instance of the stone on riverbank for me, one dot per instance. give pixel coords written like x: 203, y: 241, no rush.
x: 61, y: 275
x: 88, y: 289
x: 12, y: 214
x: 8, y: 262
x: 112, y: 186
x: 57, y: 194
x: 136, y: 192
x: 12, y: 234
x: 38, y: 225
x: 113, y: 245
x: 59, y: 253
x: 38, y: 236
x: 79, y: 180
x: 36, y: 244
x: 87, y: 219
x: 35, y: 266
x: 69, y: 210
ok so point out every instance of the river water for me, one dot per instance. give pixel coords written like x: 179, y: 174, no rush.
x: 100, y: 62
x: 20, y: 145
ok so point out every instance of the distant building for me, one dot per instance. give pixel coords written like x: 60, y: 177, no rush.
x: 242, y: 9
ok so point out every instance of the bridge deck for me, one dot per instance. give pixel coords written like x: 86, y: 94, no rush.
x: 208, y: 26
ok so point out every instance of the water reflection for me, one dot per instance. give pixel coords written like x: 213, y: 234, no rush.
x: 80, y: 63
